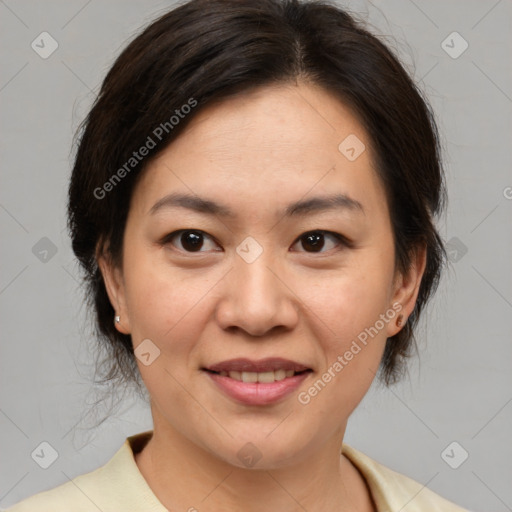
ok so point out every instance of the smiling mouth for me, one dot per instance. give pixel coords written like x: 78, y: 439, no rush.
x: 257, y: 388
x: 262, y: 377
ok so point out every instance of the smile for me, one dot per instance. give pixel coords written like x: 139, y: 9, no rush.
x: 257, y: 382
x: 271, y: 376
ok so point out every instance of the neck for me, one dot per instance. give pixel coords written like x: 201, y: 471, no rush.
x: 184, y: 476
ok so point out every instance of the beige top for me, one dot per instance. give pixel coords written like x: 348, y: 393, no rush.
x: 119, y: 486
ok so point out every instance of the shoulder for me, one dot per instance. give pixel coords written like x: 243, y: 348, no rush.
x: 118, y: 485
x: 394, y: 491
x: 73, y: 495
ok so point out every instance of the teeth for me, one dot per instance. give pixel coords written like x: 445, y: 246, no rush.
x: 281, y: 374
x: 249, y: 377
x: 266, y: 377
x: 259, y: 377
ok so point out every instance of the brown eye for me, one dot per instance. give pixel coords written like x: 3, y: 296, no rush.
x: 190, y: 240
x: 315, y: 241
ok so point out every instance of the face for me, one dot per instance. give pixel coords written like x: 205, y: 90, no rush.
x: 295, y: 262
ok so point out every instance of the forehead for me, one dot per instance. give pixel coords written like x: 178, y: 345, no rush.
x: 294, y: 123
x: 274, y: 145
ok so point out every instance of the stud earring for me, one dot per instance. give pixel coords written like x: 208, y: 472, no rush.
x: 117, y: 319
x: 399, y: 320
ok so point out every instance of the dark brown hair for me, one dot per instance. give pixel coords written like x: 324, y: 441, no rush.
x: 207, y: 50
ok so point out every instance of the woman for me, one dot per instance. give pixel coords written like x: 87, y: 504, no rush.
x: 253, y: 203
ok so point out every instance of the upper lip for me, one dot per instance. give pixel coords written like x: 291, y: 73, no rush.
x: 262, y: 365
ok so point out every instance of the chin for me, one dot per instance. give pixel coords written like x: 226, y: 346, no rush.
x: 260, y: 451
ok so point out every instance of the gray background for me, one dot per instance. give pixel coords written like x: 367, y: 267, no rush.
x: 460, y: 389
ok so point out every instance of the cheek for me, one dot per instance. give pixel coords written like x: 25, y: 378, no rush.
x: 155, y: 302
x: 352, y: 299
x: 169, y: 311
x: 350, y: 347
x: 167, y: 305
x: 350, y: 329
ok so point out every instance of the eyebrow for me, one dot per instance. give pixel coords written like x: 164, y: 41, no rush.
x: 299, y: 208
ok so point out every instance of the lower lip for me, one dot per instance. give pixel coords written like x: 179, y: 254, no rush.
x: 258, y: 393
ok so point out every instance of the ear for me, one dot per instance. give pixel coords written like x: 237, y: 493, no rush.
x: 114, y: 284
x: 406, y: 288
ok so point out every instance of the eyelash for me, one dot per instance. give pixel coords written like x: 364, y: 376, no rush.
x: 342, y: 240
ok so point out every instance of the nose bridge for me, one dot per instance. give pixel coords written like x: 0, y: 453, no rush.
x: 256, y: 298
x: 257, y: 281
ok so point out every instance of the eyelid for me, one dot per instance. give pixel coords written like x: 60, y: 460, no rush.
x: 341, y: 239
x: 167, y: 238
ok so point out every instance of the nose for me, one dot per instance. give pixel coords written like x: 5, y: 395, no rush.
x: 257, y: 299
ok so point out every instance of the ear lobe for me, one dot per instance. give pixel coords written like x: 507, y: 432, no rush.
x: 407, y: 287
x: 114, y: 284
